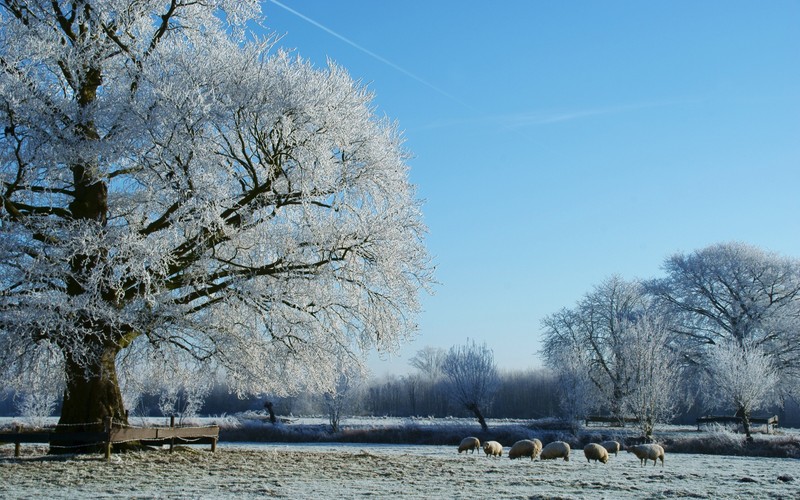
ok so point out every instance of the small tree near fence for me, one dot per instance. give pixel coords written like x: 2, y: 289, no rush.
x: 343, y: 395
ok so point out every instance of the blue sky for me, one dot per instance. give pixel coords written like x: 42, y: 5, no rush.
x: 557, y: 143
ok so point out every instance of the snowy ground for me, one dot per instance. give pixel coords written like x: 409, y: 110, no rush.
x: 347, y: 471
x: 256, y: 470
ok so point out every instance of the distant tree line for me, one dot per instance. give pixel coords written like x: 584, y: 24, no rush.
x: 522, y: 394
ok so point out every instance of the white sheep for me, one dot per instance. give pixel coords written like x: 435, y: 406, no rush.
x: 611, y: 447
x: 556, y: 449
x: 493, y: 448
x: 469, y: 444
x: 647, y: 452
x: 538, y: 445
x: 525, y: 448
x: 594, y: 451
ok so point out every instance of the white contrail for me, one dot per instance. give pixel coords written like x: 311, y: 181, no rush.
x: 366, y: 51
x: 524, y: 119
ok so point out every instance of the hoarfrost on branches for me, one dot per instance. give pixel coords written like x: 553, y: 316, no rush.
x: 735, y: 293
x: 344, y: 393
x: 614, y: 351
x: 177, y: 195
x: 588, y: 342
x: 653, y: 371
x: 742, y: 377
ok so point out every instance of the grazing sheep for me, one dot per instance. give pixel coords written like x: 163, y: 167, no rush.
x: 611, y: 447
x: 594, y: 451
x: 469, y: 444
x: 556, y: 449
x: 493, y: 448
x: 647, y: 452
x: 525, y: 448
x: 538, y: 447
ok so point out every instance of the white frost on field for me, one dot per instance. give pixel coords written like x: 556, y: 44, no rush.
x: 400, y: 471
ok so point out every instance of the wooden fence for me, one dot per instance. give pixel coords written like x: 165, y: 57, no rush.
x: 771, y: 423
x: 610, y: 421
x: 114, y: 434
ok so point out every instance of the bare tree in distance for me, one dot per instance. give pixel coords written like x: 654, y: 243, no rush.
x: 741, y: 377
x: 174, y: 191
x: 471, y: 375
x: 428, y: 361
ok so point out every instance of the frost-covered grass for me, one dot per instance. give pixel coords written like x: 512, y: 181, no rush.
x: 357, y: 463
x: 421, y: 431
x: 331, y: 470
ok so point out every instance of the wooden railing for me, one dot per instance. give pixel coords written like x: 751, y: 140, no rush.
x: 610, y: 420
x: 115, y: 433
x: 770, y: 422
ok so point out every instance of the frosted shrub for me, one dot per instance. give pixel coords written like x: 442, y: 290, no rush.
x: 36, y: 406
x: 183, y: 402
x: 723, y: 436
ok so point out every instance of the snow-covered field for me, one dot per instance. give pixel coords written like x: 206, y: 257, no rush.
x: 347, y: 471
x: 256, y: 470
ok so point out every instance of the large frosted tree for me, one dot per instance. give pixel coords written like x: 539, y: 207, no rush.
x: 735, y: 296
x: 597, y: 329
x: 175, y: 196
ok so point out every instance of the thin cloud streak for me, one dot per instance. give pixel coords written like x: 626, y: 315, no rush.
x: 530, y: 119
x: 367, y: 51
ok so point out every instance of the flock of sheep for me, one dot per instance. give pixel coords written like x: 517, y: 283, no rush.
x: 560, y: 449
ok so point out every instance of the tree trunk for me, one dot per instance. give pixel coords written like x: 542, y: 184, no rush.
x: 616, y: 406
x: 745, y: 416
x: 92, y: 394
x: 268, y: 406
x: 477, y: 411
x: 647, y: 425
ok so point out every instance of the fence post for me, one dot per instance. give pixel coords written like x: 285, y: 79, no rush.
x: 172, y: 439
x: 16, y: 441
x: 107, y: 421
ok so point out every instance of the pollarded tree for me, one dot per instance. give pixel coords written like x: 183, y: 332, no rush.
x: 742, y: 377
x: 173, y: 193
x: 472, y: 379
x: 735, y: 293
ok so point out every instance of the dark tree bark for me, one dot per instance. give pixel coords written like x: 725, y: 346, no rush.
x: 91, y: 395
x: 268, y: 406
x: 745, y: 416
x: 92, y: 390
x: 477, y: 411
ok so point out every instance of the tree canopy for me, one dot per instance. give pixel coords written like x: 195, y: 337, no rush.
x: 177, y: 194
